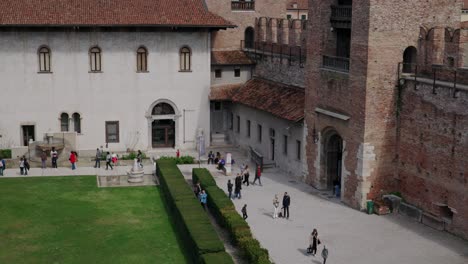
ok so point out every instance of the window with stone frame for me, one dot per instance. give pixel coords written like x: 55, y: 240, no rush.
x: 44, y: 59
x: 95, y: 59
x: 112, y: 131
x: 64, y: 122
x: 76, y: 122
x: 298, y: 145
x: 142, y: 59
x: 185, y: 59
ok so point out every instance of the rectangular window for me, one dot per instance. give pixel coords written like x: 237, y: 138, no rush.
x: 298, y: 143
x: 217, y: 106
x: 303, y: 17
x: 288, y: 16
x: 248, y: 128
x: 285, y: 145
x: 259, y: 130
x: 238, y: 124
x: 236, y: 72
x: 231, y: 121
x: 272, y: 133
x: 112, y: 131
x: 218, y: 73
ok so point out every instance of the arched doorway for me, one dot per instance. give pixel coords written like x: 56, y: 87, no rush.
x: 249, y: 36
x: 163, y: 126
x: 409, y: 59
x: 333, y: 147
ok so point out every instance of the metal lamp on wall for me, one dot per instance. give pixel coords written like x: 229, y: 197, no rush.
x: 315, y: 136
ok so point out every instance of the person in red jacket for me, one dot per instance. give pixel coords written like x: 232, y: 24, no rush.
x: 72, y: 159
x: 258, y: 174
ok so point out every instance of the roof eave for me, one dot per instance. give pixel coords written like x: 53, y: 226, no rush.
x: 120, y: 25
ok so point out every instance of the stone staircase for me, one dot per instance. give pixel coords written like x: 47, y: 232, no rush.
x: 219, y: 139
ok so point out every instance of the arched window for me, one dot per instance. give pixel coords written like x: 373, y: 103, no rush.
x: 185, y: 57
x: 44, y: 59
x: 95, y: 59
x: 249, y: 36
x: 409, y: 59
x: 142, y: 62
x: 64, y: 122
x: 163, y: 109
x: 76, y: 122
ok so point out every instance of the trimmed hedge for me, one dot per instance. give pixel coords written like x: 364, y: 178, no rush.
x: 5, y: 153
x: 218, y: 258
x: 192, y: 223
x: 225, y: 213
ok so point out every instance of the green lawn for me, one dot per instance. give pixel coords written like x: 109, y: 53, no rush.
x: 70, y: 220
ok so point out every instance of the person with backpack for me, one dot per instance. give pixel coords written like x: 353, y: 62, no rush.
x: 108, y: 161
x: 258, y: 174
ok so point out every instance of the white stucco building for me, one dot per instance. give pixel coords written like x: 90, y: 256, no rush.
x: 132, y: 76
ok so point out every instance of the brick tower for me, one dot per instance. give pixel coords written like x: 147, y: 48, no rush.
x: 353, y: 52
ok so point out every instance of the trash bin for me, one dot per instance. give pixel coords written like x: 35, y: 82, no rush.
x: 370, y: 207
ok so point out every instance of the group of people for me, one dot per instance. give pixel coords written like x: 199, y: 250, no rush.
x: 111, y: 159
x: 286, y: 203
x: 242, y: 178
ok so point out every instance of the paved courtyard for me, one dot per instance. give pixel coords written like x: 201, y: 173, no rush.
x: 350, y: 235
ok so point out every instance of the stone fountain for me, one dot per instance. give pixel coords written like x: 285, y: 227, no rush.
x: 135, y: 175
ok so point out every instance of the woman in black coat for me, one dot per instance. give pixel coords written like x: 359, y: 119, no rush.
x: 315, y: 241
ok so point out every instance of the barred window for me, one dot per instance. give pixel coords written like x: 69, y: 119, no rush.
x: 77, y: 122
x: 64, y: 122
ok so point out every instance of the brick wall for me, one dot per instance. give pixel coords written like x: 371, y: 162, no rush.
x: 433, y: 151
x: 230, y: 39
x: 281, y: 70
x: 381, y: 31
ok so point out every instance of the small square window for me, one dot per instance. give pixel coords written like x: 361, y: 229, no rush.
x: 303, y: 17
x: 236, y: 72
x: 288, y: 16
x: 218, y: 73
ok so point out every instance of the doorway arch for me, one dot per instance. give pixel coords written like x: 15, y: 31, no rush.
x: 249, y: 37
x: 409, y: 59
x: 162, y: 124
x: 332, y: 160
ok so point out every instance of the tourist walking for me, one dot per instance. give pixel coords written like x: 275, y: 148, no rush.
x: 114, y: 159
x: 72, y: 160
x: 54, y: 157
x: 246, y: 174
x: 229, y: 187
x: 203, y: 198
x: 1, y: 167
x: 43, y: 159
x: 244, y: 212
x: 140, y: 159
x: 197, y: 189
x: 286, y: 203
x: 21, y: 166
x: 210, y: 157
x: 324, y: 254
x: 238, y: 187
x: 97, y: 164
x: 108, y: 161
x: 315, y: 241
x: 275, y: 206
x: 26, y: 165
x: 258, y: 175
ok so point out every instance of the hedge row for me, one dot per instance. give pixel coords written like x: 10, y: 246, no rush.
x: 5, y: 153
x: 191, y: 221
x: 225, y: 213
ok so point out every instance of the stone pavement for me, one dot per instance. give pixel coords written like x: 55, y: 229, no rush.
x: 350, y: 235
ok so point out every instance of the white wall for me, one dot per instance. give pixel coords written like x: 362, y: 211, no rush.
x: 294, y: 130
x: 227, y: 76
x: 119, y: 93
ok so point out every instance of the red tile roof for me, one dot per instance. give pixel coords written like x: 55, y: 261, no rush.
x: 279, y: 99
x: 301, y: 4
x: 182, y: 13
x: 231, y: 57
x: 223, y: 92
